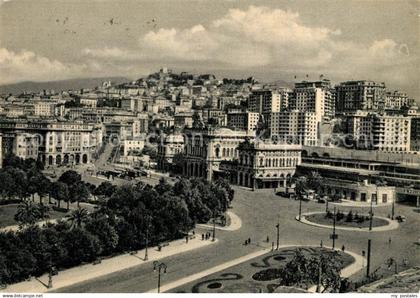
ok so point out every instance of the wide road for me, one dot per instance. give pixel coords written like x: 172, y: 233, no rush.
x: 259, y: 212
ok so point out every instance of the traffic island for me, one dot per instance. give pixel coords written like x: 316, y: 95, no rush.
x: 349, y: 221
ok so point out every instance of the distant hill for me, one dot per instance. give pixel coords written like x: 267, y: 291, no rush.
x: 73, y: 84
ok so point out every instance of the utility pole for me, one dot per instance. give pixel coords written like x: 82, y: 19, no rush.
x: 214, y: 226
x: 146, y: 255
x: 393, y: 210
x: 300, y: 206
x: 368, y: 259
x: 371, y: 214
x: 278, y: 232
x: 334, y: 236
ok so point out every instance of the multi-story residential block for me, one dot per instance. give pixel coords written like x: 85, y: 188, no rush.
x: 168, y: 147
x: 1, y: 150
x: 316, y: 97
x: 132, y: 145
x: 263, y: 165
x: 90, y: 102
x: 359, y: 95
x: 415, y: 134
x: 213, y: 115
x: 396, y: 100
x: 205, y: 148
x: 265, y: 102
x: 183, y: 119
x: 25, y: 145
x: 243, y: 120
x: 294, y: 127
x: 54, y: 142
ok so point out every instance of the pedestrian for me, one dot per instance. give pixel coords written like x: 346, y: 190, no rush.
x: 272, y: 246
x: 389, y: 241
x: 193, y: 233
x: 268, y: 239
x: 322, y: 244
x: 202, y: 236
x: 343, y: 248
x: 249, y: 240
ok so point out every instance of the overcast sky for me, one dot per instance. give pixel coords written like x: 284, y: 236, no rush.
x: 44, y: 40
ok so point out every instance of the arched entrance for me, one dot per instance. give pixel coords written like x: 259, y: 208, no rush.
x: 66, y: 159
x: 84, y: 158
x: 50, y: 160
x: 58, y: 159
x: 77, y: 158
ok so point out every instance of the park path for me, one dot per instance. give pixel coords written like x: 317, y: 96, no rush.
x: 85, y: 272
x: 235, y: 223
x: 346, y: 272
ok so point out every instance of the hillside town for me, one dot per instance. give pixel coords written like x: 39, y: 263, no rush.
x: 169, y: 138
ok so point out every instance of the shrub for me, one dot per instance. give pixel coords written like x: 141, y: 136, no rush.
x: 349, y: 217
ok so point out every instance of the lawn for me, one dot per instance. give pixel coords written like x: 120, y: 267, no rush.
x: 259, y: 275
x: 7, y: 214
x: 321, y: 219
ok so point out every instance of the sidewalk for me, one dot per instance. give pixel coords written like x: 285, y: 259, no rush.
x: 89, y: 271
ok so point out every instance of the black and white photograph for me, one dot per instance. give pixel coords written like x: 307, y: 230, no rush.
x: 241, y: 147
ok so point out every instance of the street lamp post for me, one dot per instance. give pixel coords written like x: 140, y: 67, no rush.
x: 159, y: 266
x: 333, y: 236
x: 300, y: 206
x: 214, y: 226
x: 368, y: 258
x: 278, y: 232
x: 371, y: 214
x: 50, y: 282
x: 146, y: 254
x: 393, y: 210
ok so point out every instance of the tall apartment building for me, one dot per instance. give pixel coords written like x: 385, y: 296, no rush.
x: 265, y: 102
x: 1, y: 150
x: 243, y: 120
x: 396, y: 100
x: 415, y: 134
x: 380, y: 132
x: 359, y: 95
x: 391, y: 133
x: 294, y: 127
x: 317, y: 97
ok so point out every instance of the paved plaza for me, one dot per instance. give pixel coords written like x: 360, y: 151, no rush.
x: 259, y: 212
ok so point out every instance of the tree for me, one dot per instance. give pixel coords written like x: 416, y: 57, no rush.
x: 315, y: 181
x: 70, y: 177
x: 27, y: 214
x: 163, y: 186
x: 100, y: 227
x: 301, y: 185
x: 329, y: 273
x: 79, y: 192
x: 105, y: 189
x: 303, y: 271
x: 78, y: 217
x: 59, y: 191
x: 81, y: 246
